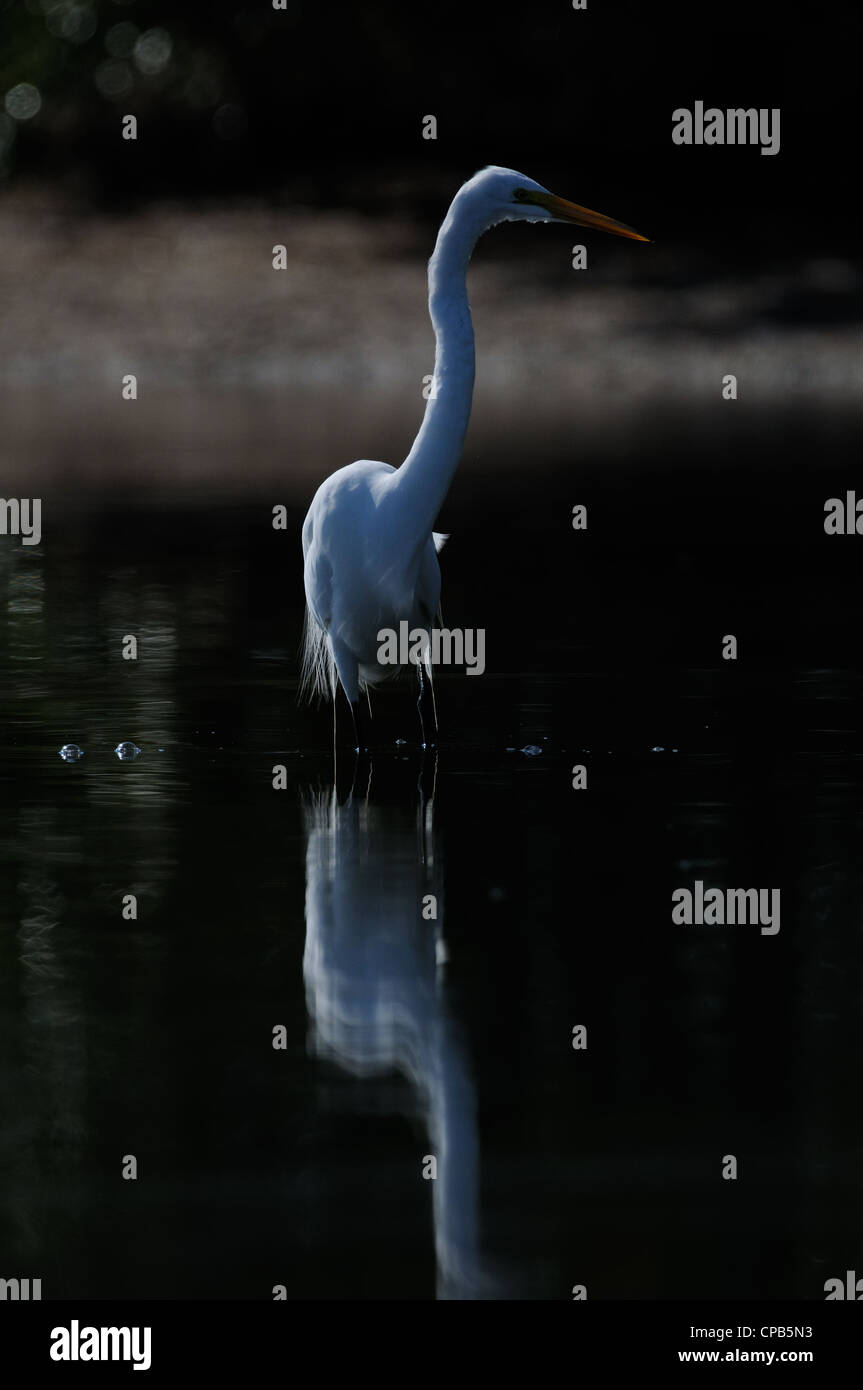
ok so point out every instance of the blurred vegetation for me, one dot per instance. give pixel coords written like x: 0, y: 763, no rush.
x: 234, y: 97
x: 90, y: 63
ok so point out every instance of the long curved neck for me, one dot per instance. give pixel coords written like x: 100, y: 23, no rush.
x: 422, y: 482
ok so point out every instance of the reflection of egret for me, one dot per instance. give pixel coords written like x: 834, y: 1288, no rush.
x: 370, y: 553
x: 374, y: 993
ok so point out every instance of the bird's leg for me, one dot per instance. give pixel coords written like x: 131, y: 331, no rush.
x: 362, y: 729
x: 430, y: 710
x: 346, y: 666
x: 420, y: 705
x: 426, y: 710
x: 356, y: 718
x: 358, y: 749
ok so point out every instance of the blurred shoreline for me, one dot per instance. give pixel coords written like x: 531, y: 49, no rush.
x: 187, y: 298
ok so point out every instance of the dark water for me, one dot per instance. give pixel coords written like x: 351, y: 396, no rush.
x: 302, y: 908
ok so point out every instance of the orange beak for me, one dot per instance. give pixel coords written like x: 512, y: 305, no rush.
x: 584, y: 217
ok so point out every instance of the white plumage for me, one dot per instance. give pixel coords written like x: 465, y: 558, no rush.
x: 369, y: 549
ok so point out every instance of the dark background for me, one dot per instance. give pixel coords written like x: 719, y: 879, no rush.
x: 705, y: 518
x: 324, y: 99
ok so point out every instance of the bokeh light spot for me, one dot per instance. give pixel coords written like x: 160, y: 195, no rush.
x: 121, y: 39
x: 23, y: 101
x: 114, y: 79
x: 230, y: 121
x: 152, y: 51
x: 78, y: 24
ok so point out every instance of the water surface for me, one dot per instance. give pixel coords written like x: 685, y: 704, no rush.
x: 407, y: 1037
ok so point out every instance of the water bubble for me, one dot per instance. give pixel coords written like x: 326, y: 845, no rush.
x: 70, y: 752
x: 127, y: 751
x: 23, y: 101
x: 531, y: 750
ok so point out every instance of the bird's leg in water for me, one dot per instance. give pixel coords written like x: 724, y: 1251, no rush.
x: 426, y: 710
x: 355, y: 718
x: 346, y: 786
x: 362, y: 730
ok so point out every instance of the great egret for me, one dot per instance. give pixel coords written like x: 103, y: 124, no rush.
x: 369, y: 549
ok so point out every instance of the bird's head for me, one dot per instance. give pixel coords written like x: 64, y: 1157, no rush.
x: 502, y: 195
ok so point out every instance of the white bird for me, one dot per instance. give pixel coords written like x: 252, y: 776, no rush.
x: 369, y: 548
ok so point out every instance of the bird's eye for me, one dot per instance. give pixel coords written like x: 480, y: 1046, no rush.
x: 521, y: 195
